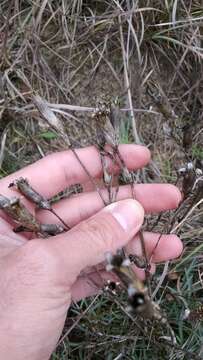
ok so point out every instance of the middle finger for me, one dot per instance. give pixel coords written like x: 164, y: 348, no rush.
x: 153, y: 197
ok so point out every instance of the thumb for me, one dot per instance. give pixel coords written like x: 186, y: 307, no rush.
x: 86, y: 244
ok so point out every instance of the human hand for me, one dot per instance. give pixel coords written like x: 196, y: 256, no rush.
x: 40, y: 277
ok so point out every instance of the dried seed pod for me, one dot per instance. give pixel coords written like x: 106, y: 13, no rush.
x: 111, y: 286
x: 107, y: 126
x: 104, y: 128
x: 127, y: 176
x: 19, y: 213
x: 181, y: 171
x: 188, y: 179
x: 139, y: 261
x: 66, y: 193
x: 27, y: 190
x: 51, y: 229
x: 139, y: 301
x: 161, y: 101
x: 4, y: 201
x: 115, y: 119
x: 50, y: 117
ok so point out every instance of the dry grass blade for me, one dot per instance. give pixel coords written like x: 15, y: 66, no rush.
x: 3, y: 145
x: 127, y: 84
x: 50, y: 117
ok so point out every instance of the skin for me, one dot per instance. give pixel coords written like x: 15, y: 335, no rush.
x: 40, y: 277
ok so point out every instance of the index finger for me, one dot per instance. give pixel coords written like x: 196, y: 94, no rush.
x: 56, y: 171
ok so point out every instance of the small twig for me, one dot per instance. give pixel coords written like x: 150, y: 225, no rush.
x: 78, y: 320
x: 161, y: 280
x: 89, y: 176
x: 147, y: 267
x: 60, y: 219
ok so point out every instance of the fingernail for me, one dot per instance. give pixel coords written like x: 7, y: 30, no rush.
x: 128, y: 213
